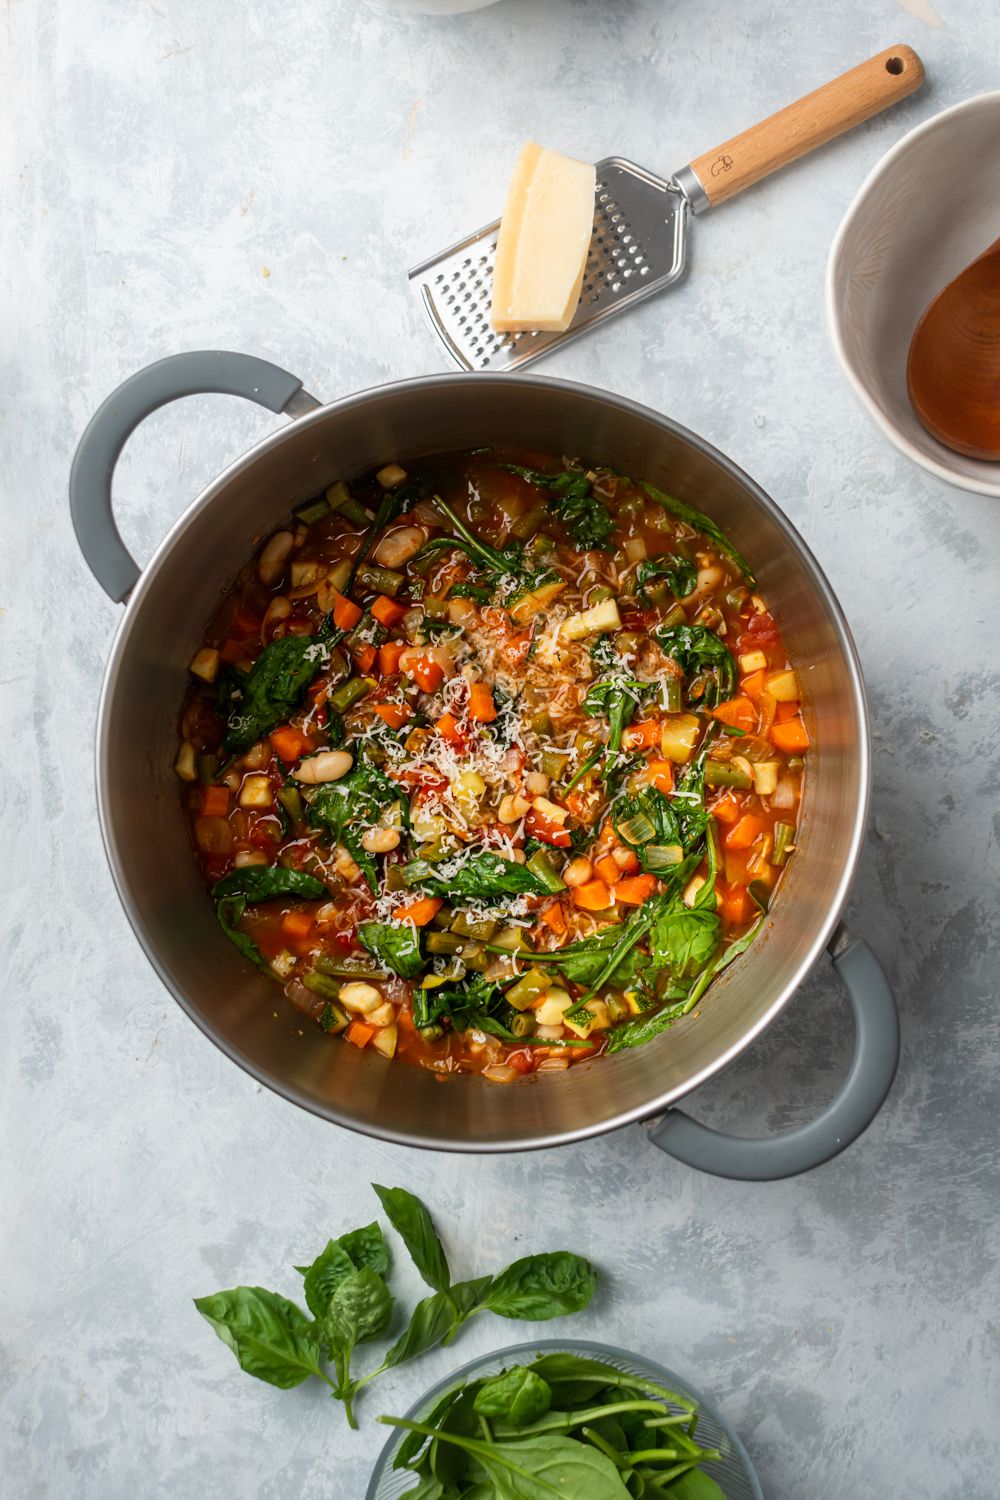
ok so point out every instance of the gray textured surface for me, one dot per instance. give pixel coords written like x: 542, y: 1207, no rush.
x: 165, y: 157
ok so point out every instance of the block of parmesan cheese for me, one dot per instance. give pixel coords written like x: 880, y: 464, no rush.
x: 544, y: 239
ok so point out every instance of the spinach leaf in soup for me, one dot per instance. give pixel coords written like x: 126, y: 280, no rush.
x: 265, y: 882
x: 700, y: 522
x: 273, y: 688
x: 481, y: 877
x: 359, y: 798
x: 701, y: 654
x: 394, y: 944
x: 677, y: 573
x: 229, y: 913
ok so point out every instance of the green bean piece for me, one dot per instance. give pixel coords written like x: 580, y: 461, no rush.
x: 553, y: 763
x: 721, y: 773
x: 208, y: 766
x: 394, y: 878
x: 673, y: 692
x: 527, y: 989
x: 674, y: 616
x: 431, y: 1033
x: 784, y: 846
x: 522, y: 1024
x: 291, y: 800
x: 436, y: 849
x: 442, y: 918
x: 322, y: 984
x: 312, y: 510
x: 349, y: 692
x: 541, y: 723
x: 435, y: 606
x: 480, y: 928
x: 529, y: 521
x: 382, y: 580
x: 599, y: 594
x: 348, y: 968
x: 340, y: 499
x: 542, y: 865
x: 511, y: 940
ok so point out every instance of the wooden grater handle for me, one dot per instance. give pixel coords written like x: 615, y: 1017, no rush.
x: 810, y: 122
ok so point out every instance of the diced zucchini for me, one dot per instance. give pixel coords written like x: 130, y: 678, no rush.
x: 391, y: 476
x: 723, y: 773
x: 186, y: 764
x: 384, y: 1041
x: 331, y: 1017
x: 479, y: 928
x: 205, y: 664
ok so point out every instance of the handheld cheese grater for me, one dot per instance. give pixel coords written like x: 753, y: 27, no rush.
x: 641, y: 221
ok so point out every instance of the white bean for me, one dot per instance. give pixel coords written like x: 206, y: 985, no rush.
x: 329, y: 765
x: 536, y: 783
x: 578, y: 871
x: 512, y: 808
x: 271, y: 563
x: 398, y: 546
x: 379, y: 840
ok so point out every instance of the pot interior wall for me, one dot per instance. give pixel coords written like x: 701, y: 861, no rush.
x: 148, y: 840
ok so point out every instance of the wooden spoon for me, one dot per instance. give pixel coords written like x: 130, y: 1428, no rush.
x: 953, y: 369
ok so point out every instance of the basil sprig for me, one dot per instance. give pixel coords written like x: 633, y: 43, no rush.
x: 346, y: 1292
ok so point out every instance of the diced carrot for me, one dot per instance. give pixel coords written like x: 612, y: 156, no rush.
x: 735, y: 907
x: 297, y: 924
x: 447, y: 728
x: 754, y: 685
x: 785, y: 712
x: 627, y: 861
x: 420, y: 910
x: 575, y: 804
x: 644, y: 735
x: 738, y: 713
x: 481, y: 705
x: 360, y: 1033
x: 214, y: 801
x: 289, y: 743
x: 231, y: 652
x: 346, y: 613
x: 393, y: 714
x: 426, y: 674
x: 636, y: 890
x: 364, y: 655
x: 790, y: 737
x: 607, y: 869
x: 736, y: 861
x: 725, y: 809
x: 388, y: 657
x: 552, y: 916
x: 593, y: 896
x: 386, y: 611
x: 743, y: 833
x: 660, y: 773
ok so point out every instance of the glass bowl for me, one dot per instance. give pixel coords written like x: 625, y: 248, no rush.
x: 733, y: 1473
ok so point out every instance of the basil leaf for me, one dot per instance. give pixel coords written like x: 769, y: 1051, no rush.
x: 394, y: 944
x: 360, y: 1309
x: 519, y: 1395
x: 480, y: 878
x: 430, y: 1324
x: 271, y: 1338
x: 263, y: 882
x: 359, y: 1249
x: 470, y: 1296
x: 230, y: 914
x: 272, y: 688
x: 700, y: 522
x: 539, y: 1287
x: 412, y: 1222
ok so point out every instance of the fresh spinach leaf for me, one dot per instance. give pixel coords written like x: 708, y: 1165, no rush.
x: 644, y: 1028
x: 394, y: 944
x: 537, y: 1467
x: 271, y: 1338
x: 571, y: 500
x: 230, y: 912
x: 264, y: 882
x: 273, y: 687
x: 361, y: 857
x: 678, y: 574
x: 413, y: 1224
x: 483, y: 876
x: 700, y: 522
x: 358, y: 798
x: 695, y: 1485
x: 519, y: 1395
x: 698, y: 650
x: 539, y: 1287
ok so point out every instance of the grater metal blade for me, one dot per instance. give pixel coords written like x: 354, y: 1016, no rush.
x: 638, y: 247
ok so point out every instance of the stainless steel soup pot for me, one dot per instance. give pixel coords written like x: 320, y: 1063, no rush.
x: 167, y: 605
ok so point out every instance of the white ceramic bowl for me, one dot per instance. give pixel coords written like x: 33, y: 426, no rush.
x: 929, y: 208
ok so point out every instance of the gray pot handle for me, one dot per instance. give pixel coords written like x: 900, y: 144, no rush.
x: 873, y: 1067
x: 193, y: 374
